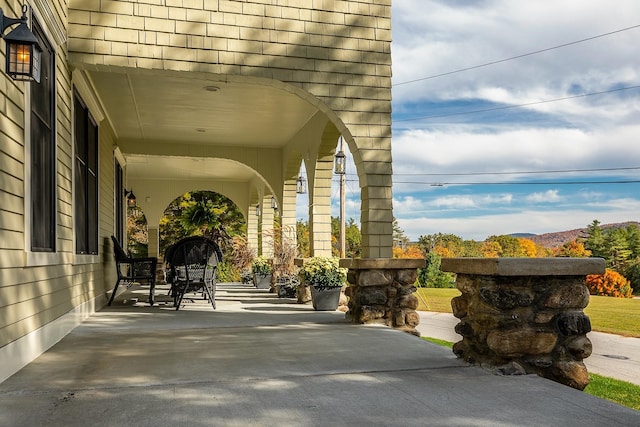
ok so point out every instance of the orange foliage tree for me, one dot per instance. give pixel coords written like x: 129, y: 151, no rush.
x: 529, y: 248
x: 491, y: 249
x: 443, y: 252
x: 411, y: 251
x: 573, y: 249
x: 611, y: 284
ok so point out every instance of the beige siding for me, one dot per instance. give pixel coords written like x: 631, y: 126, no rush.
x: 33, y: 296
x: 338, y: 51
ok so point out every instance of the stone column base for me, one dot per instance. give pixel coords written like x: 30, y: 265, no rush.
x: 382, y: 291
x: 524, y: 315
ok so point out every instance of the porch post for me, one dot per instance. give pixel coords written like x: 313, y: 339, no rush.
x: 267, y: 226
x: 288, y: 212
x: 153, y: 248
x: 252, y: 228
x: 320, y: 208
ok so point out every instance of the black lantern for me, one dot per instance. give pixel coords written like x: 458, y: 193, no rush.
x: 23, y: 53
x: 341, y: 163
x: 274, y: 203
x: 301, y: 185
x: 131, y: 198
x: 258, y: 210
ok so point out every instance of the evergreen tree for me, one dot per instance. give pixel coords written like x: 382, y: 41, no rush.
x: 594, y: 241
x: 431, y: 276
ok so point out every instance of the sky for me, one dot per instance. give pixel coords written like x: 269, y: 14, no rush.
x: 484, y: 144
x: 467, y: 162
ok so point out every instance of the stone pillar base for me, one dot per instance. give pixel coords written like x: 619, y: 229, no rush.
x: 524, y: 315
x: 382, y: 291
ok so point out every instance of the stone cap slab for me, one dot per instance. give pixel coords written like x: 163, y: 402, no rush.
x: 382, y: 263
x: 524, y: 266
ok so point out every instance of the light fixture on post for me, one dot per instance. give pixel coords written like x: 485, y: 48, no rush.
x: 258, y: 210
x: 340, y: 161
x: 341, y: 169
x: 274, y: 203
x: 23, y: 52
x: 301, y: 185
x: 131, y: 198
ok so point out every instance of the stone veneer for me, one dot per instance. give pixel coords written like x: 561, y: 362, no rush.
x: 382, y: 291
x: 525, y: 315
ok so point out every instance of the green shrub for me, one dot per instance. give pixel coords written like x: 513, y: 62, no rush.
x: 226, y: 272
x: 432, y: 277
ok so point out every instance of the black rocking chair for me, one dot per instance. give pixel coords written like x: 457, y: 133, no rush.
x: 193, y: 264
x: 133, y: 270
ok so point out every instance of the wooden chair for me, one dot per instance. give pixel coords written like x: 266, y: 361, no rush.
x: 133, y: 270
x: 193, y: 264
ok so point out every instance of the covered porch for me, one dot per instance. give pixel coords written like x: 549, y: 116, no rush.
x: 259, y: 361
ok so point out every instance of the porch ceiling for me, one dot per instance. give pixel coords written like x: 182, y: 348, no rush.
x: 166, y: 107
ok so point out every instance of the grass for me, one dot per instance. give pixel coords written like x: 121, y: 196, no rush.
x: 617, y: 391
x: 619, y: 316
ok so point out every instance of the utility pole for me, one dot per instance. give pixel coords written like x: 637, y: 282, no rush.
x: 340, y: 169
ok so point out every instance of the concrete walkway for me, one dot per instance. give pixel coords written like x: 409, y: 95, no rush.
x: 259, y: 360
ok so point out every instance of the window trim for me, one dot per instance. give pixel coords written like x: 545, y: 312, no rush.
x: 37, y: 258
x: 90, y: 122
x: 81, y: 87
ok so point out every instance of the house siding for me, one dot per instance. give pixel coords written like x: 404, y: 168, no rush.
x: 37, y: 299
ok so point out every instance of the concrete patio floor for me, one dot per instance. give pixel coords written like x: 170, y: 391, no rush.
x: 260, y: 360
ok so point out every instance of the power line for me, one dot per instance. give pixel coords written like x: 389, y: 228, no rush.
x: 516, y: 57
x: 506, y: 107
x: 442, y: 184
x: 520, y: 172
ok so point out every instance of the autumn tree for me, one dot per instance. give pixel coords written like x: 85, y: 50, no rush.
x: 302, y: 236
x: 491, y: 249
x: 611, y: 283
x: 409, y: 251
x: 454, y: 244
x: 353, y: 238
x: 572, y: 249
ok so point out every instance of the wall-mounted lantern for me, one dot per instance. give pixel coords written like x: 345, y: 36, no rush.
x: 23, y: 52
x: 301, y: 185
x: 258, y: 210
x: 274, y: 203
x: 131, y: 198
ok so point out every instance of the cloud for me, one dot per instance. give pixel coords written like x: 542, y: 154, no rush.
x: 548, y: 196
x: 479, y: 227
x: 531, y: 149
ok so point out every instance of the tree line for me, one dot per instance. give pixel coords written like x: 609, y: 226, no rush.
x: 215, y: 216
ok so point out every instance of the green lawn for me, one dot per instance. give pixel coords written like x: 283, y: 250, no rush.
x: 613, y: 315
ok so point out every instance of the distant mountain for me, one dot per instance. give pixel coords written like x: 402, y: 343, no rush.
x: 559, y: 238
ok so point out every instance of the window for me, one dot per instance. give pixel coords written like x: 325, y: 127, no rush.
x: 85, y: 179
x: 43, y: 151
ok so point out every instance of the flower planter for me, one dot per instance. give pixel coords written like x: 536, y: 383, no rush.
x: 325, y: 299
x: 262, y: 281
x: 286, y: 291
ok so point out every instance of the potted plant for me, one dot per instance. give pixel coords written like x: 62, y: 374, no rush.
x: 326, y: 278
x: 262, y: 269
x: 284, y: 274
